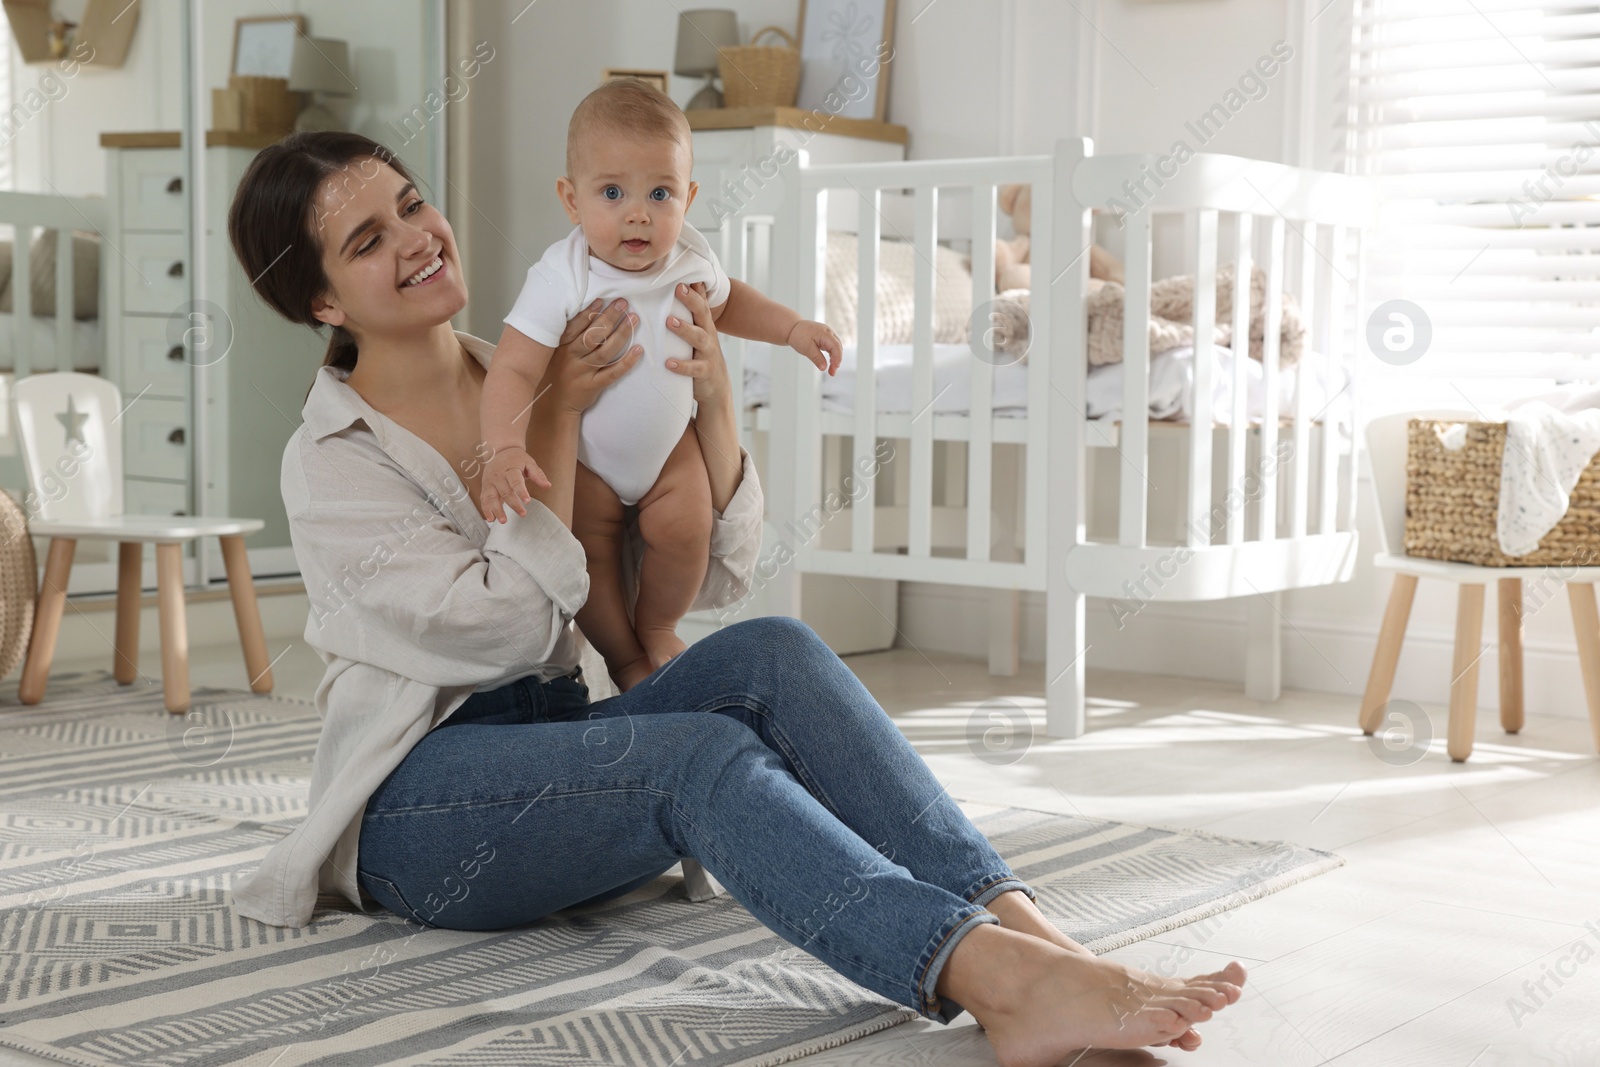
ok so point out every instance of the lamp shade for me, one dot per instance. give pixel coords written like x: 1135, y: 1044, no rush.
x: 700, y: 33
x: 321, y: 65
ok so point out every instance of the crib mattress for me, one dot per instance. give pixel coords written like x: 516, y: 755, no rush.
x: 1171, y: 377
x: 87, y: 344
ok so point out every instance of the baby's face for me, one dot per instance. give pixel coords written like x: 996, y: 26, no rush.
x: 629, y: 195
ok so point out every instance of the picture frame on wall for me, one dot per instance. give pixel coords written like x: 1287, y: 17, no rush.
x: 263, y: 45
x: 840, y: 40
x: 657, y: 78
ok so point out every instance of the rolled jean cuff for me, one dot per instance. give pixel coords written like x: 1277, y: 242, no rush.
x: 963, y: 922
x: 989, y: 890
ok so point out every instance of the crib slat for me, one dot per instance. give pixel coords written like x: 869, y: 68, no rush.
x: 1047, y: 376
x: 807, y: 387
x: 1198, y: 521
x: 22, y: 298
x: 1239, y: 394
x: 1135, y: 446
x: 925, y: 236
x: 1332, y: 298
x: 980, y: 449
x: 735, y: 252
x: 1351, y: 362
x: 865, y: 437
x: 1267, y: 514
x: 1301, y: 490
x: 64, y: 299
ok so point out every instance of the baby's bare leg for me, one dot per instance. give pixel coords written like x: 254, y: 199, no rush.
x: 675, y: 525
x: 597, y: 524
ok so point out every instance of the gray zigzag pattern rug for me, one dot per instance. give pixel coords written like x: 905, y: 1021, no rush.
x: 122, y: 828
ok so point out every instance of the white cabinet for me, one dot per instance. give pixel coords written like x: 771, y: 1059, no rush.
x: 733, y: 165
x: 201, y: 435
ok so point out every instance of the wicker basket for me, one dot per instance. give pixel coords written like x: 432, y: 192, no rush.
x: 19, y: 583
x: 760, y: 75
x: 1453, y: 502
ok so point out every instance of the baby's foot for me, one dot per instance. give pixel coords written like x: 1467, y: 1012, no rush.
x: 660, y: 646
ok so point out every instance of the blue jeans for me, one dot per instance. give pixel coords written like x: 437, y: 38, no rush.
x: 756, y: 751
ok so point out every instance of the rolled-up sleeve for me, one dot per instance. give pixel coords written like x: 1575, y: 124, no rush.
x: 393, y: 583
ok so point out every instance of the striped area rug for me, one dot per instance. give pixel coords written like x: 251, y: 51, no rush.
x: 122, y: 828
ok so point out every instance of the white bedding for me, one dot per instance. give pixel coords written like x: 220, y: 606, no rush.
x: 1171, y: 374
x: 87, y: 346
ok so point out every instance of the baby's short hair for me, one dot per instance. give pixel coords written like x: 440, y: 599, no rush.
x: 627, y: 107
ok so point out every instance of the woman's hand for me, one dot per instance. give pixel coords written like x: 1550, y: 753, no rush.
x: 587, y: 359
x: 706, y: 367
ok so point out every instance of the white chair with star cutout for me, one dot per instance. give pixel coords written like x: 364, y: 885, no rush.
x: 69, y: 427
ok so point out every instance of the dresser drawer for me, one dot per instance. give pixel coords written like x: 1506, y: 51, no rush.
x: 150, y: 360
x: 152, y: 189
x: 145, y: 496
x: 153, y: 270
x: 155, y: 438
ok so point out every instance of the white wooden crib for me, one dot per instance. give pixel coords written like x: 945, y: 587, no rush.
x: 1069, y: 510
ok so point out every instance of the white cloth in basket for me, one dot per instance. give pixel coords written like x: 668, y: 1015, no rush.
x: 1546, y: 450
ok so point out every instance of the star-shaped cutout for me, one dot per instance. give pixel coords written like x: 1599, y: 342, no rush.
x: 73, y: 419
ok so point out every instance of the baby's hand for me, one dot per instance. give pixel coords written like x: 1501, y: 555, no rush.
x: 818, y: 343
x: 503, y: 483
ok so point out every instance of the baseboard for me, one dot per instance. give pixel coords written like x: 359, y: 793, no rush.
x: 1207, y: 641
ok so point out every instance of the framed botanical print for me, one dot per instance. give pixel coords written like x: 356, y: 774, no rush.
x: 657, y: 78
x: 845, y: 49
x: 263, y: 46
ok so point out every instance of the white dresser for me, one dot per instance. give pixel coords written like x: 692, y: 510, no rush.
x: 229, y: 417
x: 735, y: 152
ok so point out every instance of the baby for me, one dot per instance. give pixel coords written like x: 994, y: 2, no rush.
x: 626, y: 188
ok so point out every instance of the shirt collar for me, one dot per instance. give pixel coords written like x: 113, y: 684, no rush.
x: 333, y: 405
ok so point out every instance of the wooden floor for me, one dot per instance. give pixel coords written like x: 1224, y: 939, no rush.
x: 1455, y: 935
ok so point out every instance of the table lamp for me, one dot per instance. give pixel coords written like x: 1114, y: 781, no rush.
x: 321, y: 65
x: 700, y: 33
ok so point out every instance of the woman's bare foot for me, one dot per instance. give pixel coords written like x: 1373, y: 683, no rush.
x: 1016, y: 912
x: 1038, y: 1001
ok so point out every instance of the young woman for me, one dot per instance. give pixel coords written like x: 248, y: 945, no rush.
x: 464, y: 780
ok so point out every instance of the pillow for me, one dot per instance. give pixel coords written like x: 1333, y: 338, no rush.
x: 42, y: 265
x: 897, y: 260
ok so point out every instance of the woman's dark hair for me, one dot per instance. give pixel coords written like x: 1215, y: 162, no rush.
x: 275, y: 229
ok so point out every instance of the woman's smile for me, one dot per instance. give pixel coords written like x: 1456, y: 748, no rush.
x: 430, y: 270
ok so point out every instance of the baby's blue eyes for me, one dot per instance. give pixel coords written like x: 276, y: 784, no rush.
x: 659, y: 193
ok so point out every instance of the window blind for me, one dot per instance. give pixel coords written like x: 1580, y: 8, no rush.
x: 1479, y: 121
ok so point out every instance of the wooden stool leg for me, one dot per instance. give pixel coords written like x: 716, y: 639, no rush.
x: 1586, y: 621
x: 247, y: 613
x: 1387, y: 656
x: 47, y: 620
x: 1464, y: 672
x: 174, y: 627
x: 1510, y: 625
x: 130, y: 576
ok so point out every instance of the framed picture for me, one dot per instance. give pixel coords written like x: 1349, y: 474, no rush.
x: 263, y: 47
x: 657, y: 78
x: 845, y: 49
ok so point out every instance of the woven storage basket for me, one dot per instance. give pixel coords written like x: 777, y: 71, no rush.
x: 1453, y: 502
x: 760, y: 75
x: 19, y: 584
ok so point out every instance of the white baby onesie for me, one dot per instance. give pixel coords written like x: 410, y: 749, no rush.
x: 630, y: 430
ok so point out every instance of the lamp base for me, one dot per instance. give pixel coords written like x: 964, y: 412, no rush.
x: 317, y: 117
x: 708, y: 97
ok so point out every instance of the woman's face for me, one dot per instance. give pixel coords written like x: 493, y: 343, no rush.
x: 389, y: 256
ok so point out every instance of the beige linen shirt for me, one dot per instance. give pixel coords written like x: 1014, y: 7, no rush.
x: 417, y: 602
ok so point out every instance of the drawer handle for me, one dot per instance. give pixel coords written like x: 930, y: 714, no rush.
x: 175, y: 352
x: 176, y: 270
x: 180, y: 513
x: 176, y: 436
x: 175, y: 186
